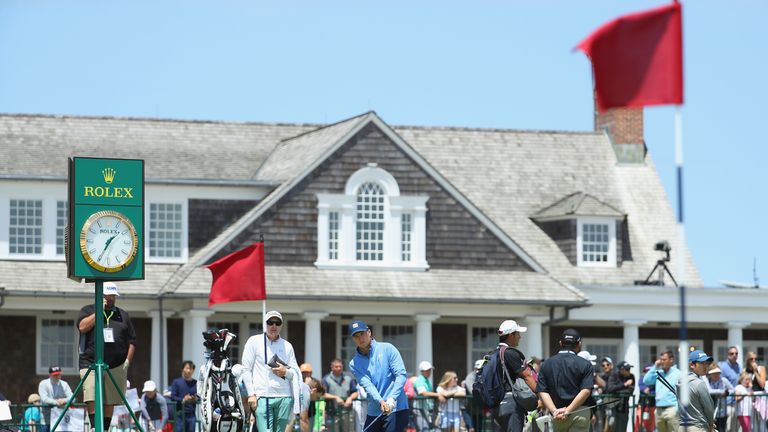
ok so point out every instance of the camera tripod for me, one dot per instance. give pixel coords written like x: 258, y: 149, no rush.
x: 661, y: 268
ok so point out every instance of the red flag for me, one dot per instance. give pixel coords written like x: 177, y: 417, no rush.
x: 637, y: 59
x: 239, y: 276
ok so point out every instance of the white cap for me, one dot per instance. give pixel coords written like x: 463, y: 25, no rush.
x: 110, y: 289
x: 273, y: 314
x: 149, y: 386
x: 587, y: 356
x: 479, y: 363
x: 510, y: 326
x: 425, y: 365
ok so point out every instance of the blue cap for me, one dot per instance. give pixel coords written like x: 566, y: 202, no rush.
x: 699, y: 356
x: 357, y: 326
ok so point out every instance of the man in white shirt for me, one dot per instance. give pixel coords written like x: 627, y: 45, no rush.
x: 271, y: 376
x: 53, y: 391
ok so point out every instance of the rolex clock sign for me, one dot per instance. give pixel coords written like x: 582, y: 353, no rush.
x: 105, y: 232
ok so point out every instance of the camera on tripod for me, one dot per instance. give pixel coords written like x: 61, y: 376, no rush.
x: 663, y: 246
x: 661, y: 267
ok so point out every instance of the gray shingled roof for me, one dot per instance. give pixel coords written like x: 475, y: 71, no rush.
x: 292, y: 156
x: 508, y: 175
x: 33, y: 145
x: 579, y: 204
x: 51, y: 277
x: 443, y: 286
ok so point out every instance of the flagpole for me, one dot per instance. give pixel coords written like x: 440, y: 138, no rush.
x: 684, y: 348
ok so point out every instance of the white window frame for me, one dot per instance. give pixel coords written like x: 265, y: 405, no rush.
x: 611, y: 222
x: 49, y: 193
x: 746, y: 346
x: 159, y: 199
x: 376, y: 324
x: 394, y: 206
x: 42, y: 369
x: 662, y: 344
x: 590, y: 342
x: 66, y: 222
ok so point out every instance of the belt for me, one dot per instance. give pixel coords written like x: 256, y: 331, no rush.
x: 665, y: 407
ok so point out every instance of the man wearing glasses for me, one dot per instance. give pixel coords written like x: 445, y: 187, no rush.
x: 730, y: 370
x: 271, y: 376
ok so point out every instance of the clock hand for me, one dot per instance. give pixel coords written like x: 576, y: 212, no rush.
x: 106, y: 245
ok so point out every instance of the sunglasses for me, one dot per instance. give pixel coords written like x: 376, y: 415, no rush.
x: 733, y: 353
x: 274, y: 323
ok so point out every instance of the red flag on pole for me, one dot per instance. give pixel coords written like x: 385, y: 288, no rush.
x: 239, y: 276
x: 637, y: 59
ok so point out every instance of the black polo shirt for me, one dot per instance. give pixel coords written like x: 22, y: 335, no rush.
x: 563, y: 376
x: 514, y: 360
x: 114, y: 352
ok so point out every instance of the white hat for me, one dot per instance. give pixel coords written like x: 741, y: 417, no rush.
x: 425, y: 366
x: 479, y: 363
x: 149, y: 386
x: 273, y: 314
x: 510, y: 326
x: 587, y: 356
x: 110, y: 289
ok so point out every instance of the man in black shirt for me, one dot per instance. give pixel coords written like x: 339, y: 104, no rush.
x: 565, y: 383
x: 514, y: 360
x: 119, y: 345
x: 621, y: 383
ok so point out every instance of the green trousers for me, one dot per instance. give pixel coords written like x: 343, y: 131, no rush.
x: 277, y: 417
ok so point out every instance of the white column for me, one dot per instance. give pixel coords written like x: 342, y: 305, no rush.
x: 312, y: 342
x: 533, y: 339
x: 424, y: 337
x: 736, y: 338
x: 632, y: 345
x: 632, y: 351
x: 158, y: 367
x: 195, y: 323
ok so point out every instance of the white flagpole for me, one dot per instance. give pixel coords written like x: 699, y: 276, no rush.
x: 684, y: 348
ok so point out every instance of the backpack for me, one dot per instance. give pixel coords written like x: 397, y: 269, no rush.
x: 488, y: 389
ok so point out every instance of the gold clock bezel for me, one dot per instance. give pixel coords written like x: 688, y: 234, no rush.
x: 84, y: 248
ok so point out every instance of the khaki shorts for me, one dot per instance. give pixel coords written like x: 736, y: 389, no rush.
x: 111, y: 397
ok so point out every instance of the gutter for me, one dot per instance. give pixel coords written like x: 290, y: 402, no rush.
x: 170, y: 296
x: 157, y: 180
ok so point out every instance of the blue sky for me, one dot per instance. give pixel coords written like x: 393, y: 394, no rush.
x: 506, y: 64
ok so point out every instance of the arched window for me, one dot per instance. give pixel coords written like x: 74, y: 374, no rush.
x: 371, y: 225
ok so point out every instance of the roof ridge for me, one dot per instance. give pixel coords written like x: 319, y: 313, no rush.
x: 304, y: 134
x: 285, y: 140
x: 155, y: 119
x: 496, y: 129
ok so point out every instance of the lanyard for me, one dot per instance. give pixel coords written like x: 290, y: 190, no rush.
x: 112, y: 312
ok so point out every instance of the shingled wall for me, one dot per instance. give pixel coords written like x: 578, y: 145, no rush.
x: 455, y: 238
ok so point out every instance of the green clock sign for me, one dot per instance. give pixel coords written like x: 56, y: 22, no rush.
x: 105, y: 233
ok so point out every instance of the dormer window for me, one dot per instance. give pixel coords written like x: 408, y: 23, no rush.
x: 591, y: 222
x: 596, y: 242
x: 371, y: 226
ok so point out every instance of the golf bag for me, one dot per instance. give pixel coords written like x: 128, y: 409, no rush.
x: 221, y: 403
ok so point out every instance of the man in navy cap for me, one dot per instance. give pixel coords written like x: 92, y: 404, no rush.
x: 379, y: 369
x: 698, y: 415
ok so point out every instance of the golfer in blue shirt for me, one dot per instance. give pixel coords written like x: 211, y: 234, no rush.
x: 379, y: 369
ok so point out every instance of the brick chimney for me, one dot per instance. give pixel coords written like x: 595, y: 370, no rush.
x: 624, y: 127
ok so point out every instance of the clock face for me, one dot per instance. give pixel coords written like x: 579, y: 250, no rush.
x: 108, y: 241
